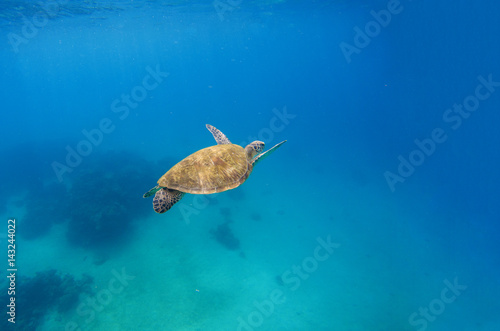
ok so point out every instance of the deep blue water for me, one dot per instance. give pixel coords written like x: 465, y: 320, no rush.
x: 379, y: 213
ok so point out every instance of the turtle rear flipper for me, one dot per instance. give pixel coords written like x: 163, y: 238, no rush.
x: 151, y: 192
x: 164, y: 199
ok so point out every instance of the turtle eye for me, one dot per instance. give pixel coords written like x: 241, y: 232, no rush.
x: 257, y: 146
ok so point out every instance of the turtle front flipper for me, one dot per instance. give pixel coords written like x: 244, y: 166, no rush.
x: 164, y: 199
x: 262, y: 156
x: 219, y: 137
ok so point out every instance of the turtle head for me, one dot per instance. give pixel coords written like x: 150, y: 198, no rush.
x: 254, y: 148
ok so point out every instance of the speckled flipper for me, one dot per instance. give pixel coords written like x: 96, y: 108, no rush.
x: 220, y: 137
x: 262, y: 156
x: 164, y: 199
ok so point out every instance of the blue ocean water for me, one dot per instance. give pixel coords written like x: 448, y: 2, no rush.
x: 380, y: 212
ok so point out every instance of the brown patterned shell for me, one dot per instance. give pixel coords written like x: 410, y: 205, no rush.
x: 213, y: 169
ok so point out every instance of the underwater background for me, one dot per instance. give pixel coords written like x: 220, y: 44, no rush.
x: 381, y: 212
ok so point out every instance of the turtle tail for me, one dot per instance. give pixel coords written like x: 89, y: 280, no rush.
x: 164, y: 199
x: 151, y: 192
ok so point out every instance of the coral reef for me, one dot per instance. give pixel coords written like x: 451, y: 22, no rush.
x: 43, y: 209
x: 255, y: 216
x: 106, y: 197
x: 45, y: 292
x: 224, y: 235
x: 99, y: 199
x: 279, y: 280
x: 27, y: 180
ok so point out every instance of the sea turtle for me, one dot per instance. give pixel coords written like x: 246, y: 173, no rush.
x: 210, y: 170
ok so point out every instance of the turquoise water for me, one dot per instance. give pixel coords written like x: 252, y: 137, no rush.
x: 379, y: 213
